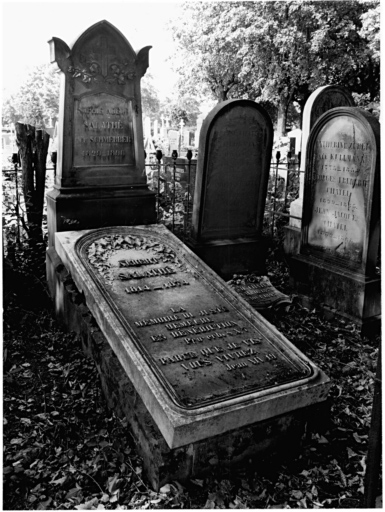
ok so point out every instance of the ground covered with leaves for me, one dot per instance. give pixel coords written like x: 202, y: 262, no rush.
x: 63, y: 449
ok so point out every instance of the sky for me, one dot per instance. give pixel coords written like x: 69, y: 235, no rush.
x: 27, y: 26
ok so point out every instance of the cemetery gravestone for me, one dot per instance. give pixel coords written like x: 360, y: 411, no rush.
x: 100, y: 175
x: 200, y: 359
x: 320, y: 101
x: 230, y: 190
x: 173, y: 140
x: 340, y: 232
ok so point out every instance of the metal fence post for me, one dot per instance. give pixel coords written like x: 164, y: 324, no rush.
x: 277, y: 157
x: 158, y: 155
x: 174, y: 156
x: 189, y: 157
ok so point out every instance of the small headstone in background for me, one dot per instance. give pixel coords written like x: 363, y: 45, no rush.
x: 173, y: 140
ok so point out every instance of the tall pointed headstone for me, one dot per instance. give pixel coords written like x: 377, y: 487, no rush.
x: 100, y: 175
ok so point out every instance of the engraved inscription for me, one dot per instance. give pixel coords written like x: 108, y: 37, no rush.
x: 192, y: 338
x: 138, y: 262
x: 163, y: 271
x: 339, y: 192
x: 165, y: 286
x: 103, y: 131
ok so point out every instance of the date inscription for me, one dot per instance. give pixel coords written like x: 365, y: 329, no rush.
x: 103, y: 131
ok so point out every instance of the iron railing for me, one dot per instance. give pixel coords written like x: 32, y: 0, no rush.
x: 173, y: 181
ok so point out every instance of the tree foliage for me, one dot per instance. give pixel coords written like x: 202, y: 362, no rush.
x: 278, y: 52
x: 36, y: 102
x: 184, y: 108
x: 150, y: 97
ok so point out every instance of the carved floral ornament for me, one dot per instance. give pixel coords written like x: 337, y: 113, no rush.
x: 100, y: 55
x: 100, y: 251
x: 92, y: 72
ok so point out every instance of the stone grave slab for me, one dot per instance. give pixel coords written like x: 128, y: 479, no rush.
x: 235, y: 147
x: 202, y: 360
x: 341, y: 221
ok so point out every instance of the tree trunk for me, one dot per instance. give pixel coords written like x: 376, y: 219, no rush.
x: 33, y: 150
x: 42, y: 142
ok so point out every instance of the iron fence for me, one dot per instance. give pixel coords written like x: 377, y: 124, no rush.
x: 173, y: 181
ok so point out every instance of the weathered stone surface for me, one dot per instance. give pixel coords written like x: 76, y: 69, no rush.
x: 320, y: 101
x: 272, y: 439
x: 100, y: 127
x: 230, y: 189
x: 201, y: 364
x: 100, y: 162
x: 261, y: 294
x: 341, y: 217
x: 341, y: 221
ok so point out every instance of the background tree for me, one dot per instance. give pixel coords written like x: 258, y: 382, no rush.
x: 150, y: 97
x: 36, y: 102
x: 278, y: 52
x: 186, y: 108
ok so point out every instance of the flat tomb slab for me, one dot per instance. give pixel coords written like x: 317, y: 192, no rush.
x: 203, y: 361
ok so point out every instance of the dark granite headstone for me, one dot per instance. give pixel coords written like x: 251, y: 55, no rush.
x: 100, y: 176
x: 230, y: 189
x: 340, y: 232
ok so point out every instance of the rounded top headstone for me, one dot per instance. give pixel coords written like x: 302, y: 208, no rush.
x: 320, y: 101
x: 341, y: 197
x: 235, y: 145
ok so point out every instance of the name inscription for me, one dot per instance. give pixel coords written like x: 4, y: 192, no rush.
x: 103, y: 131
x: 339, y: 192
x: 191, y: 336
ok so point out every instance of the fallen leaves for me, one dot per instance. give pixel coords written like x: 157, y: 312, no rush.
x: 63, y: 449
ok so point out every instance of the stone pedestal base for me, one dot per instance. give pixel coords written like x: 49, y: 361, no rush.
x: 229, y: 257
x: 340, y: 292
x: 279, y: 437
x: 88, y: 209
